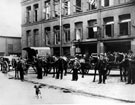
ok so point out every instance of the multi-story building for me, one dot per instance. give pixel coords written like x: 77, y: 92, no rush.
x: 10, y: 45
x: 85, y: 26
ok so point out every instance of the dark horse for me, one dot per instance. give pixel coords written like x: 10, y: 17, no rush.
x: 118, y: 60
x: 94, y: 61
x: 49, y: 64
x: 61, y: 66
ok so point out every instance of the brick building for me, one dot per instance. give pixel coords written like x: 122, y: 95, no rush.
x: 87, y: 25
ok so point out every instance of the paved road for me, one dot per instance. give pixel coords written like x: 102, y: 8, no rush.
x: 15, y: 92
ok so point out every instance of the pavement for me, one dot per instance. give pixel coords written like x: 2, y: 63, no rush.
x: 113, y: 89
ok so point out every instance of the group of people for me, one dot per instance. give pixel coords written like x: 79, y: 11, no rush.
x: 103, y: 64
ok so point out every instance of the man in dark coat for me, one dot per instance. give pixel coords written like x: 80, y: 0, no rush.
x: 20, y: 68
x: 59, y: 68
x: 76, y: 67
x: 131, y: 70
x: 39, y: 68
x: 102, y: 69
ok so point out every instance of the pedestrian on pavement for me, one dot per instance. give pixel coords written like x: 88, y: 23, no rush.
x: 60, y: 67
x: 76, y: 67
x: 20, y: 68
x: 102, y: 69
x: 131, y: 70
x: 39, y: 68
x: 14, y: 65
x: 82, y: 62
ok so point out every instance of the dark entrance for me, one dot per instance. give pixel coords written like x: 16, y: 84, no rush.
x: 56, y: 51
x: 117, y: 46
x: 89, y: 48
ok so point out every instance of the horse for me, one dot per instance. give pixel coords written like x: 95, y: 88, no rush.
x: 50, y: 64
x: 94, y: 61
x: 61, y: 65
x: 117, y: 60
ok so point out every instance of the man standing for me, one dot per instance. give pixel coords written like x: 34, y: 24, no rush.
x: 102, y: 69
x: 59, y: 68
x: 76, y: 67
x: 20, y: 68
x: 82, y: 62
x: 39, y: 68
x: 131, y: 70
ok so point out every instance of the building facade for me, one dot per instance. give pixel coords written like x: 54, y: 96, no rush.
x: 10, y: 46
x: 79, y: 26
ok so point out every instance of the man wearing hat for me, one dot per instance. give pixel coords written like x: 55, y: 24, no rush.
x: 102, y: 68
x: 131, y: 70
x: 76, y: 67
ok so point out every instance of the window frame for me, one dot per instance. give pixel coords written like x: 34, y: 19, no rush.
x: 66, y: 35
x: 90, y: 6
x: 36, y: 37
x: 125, y: 20
x: 78, y: 6
x: 28, y: 34
x: 36, y: 9
x: 129, y: 28
x: 94, y: 35
x: 47, y: 33
x: 47, y: 13
x: 28, y: 14
x: 57, y: 36
x: 56, y: 4
x: 66, y: 7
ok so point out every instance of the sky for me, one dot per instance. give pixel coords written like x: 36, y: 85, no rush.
x: 10, y: 18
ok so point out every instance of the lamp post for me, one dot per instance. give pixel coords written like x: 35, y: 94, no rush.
x: 97, y: 29
x: 61, y: 52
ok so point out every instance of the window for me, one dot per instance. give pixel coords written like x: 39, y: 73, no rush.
x: 28, y: 36
x: 108, y: 27
x: 125, y: 24
x: 56, y: 35
x: 78, y: 30
x: 66, y: 7
x: 36, y: 38
x: 35, y: 12
x: 66, y: 33
x: 28, y: 14
x: 91, y: 32
x: 56, y: 8
x: 123, y: 1
x: 106, y: 3
x: 47, y: 35
x: 10, y: 48
x: 47, y: 9
x: 92, y: 4
x: 78, y: 6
